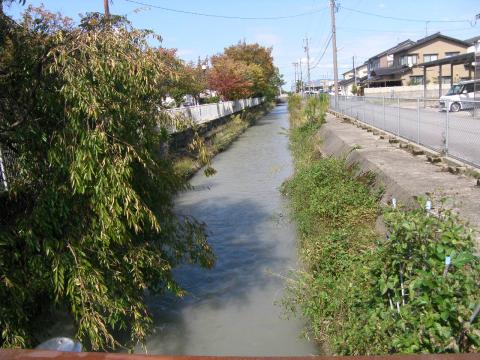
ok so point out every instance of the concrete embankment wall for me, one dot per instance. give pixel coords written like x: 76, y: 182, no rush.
x: 181, y: 139
x: 413, y: 91
x: 402, y: 175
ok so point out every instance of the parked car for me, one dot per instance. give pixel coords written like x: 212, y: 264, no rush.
x: 460, y: 96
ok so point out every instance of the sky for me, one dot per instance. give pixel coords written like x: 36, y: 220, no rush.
x: 359, y: 35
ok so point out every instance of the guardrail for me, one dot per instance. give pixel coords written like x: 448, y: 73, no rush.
x: 451, y: 128
x: 204, y: 113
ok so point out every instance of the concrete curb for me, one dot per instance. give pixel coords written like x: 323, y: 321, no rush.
x: 453, y: 165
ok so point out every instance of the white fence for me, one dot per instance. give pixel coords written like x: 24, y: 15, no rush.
x: 204, y: 113
x: 452, y: 129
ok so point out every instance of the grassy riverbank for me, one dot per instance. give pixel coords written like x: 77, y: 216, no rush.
x: 187, y: 163
x: 363, y: 292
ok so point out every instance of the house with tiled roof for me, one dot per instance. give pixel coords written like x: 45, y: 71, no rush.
x: 397, y: 66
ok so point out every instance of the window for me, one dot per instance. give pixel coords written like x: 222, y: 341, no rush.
x: 469, y: 88
x: 446, y: 80
x: 452, y: 53
x: 374, y: 64
x: 390, y: 60
x: 455, y: 90
x: 408, y: 60
x: 430, y: 57
x: 416, y: 80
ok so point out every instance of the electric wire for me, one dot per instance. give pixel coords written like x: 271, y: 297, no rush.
x: 399, y: 31
x: 225, y: 16
x: 404, y: 19
x: 323, y: 53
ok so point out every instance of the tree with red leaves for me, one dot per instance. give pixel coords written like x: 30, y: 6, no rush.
x: 230, y: 78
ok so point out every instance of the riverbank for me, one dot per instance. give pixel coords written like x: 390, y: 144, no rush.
x: 366, y: 292
x: 216, y: 139
x: 403, y: 175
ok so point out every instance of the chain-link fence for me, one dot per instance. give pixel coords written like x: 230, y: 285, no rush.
x: 448, y: 127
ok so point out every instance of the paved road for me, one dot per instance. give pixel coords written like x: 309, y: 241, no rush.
x: 425, y: 125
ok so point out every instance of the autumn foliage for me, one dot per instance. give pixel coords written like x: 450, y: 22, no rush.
x: 244, y: 70
x: 229, y: 78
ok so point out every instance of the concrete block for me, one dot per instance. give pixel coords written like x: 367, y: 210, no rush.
x: 434, y: 159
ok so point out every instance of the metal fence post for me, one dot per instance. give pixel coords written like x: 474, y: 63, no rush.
x: 446, y: 127
x: 384, y: 121
x: 398, y: 120
x: 418, y: 121
x: 364, y: 105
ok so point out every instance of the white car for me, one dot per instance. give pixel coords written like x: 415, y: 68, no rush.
x: 460, y: 96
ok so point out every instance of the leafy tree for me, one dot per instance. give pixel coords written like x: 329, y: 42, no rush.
x: 88, y: 225
x: 354, y: 89
x: 264, y: 75
x: 190, y: 81
x: 230, y: 78
x: 299, y: 85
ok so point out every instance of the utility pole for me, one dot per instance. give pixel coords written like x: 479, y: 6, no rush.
x: 354, y: 72
x: 107, y: 8
x: 301, y: 77
x: 307, y: 51
x: 295, y: 66
x: 334, y: 48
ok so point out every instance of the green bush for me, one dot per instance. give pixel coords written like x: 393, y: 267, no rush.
x: 88, y: 225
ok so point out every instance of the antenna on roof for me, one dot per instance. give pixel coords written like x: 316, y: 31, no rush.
x: 426, y: 28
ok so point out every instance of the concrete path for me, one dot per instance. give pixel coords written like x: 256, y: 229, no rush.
x: 425, y: 125
x: 403, y: 175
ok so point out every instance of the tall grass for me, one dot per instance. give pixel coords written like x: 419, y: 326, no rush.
x: 362, y: 292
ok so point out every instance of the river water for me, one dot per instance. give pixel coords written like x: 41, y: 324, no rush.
x: 230, y: 309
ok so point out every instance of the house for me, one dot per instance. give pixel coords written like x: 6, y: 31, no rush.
x: 398, y: 65
x: 381, y: 70
x: 460, y: 63
x: 321, y: 85
x: 353, y: 77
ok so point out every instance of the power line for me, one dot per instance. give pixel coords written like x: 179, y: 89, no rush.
x: 403, y: 19
x: 226, y: 16
x: 323, y: 53
x: 400, y: 31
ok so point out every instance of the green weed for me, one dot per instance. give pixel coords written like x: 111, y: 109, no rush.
x: 362, y: 292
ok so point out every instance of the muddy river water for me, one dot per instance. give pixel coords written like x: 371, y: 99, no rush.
x: 231, y: 309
